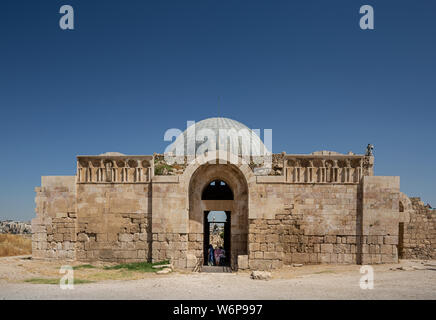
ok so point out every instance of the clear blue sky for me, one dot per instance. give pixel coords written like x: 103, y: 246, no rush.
x: 132, y: 69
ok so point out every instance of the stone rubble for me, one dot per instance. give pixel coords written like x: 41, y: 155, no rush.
x: 260, y: 275
x: 164, y: 271
x: 160, y: 266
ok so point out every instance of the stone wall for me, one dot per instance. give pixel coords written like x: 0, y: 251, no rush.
x: 419, y: 240
x: 92, y: 221
x: 379, y: 219
x: 316, y: 224
x: 170, y: 224
x: 325, y: 223
x: 113, y: 222
x: 53, y: 229
x: 170, y: 246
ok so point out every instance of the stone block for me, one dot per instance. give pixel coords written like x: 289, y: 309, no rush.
x: 270, y: 255
x: 59, y: 237
x: 243, y: 262
x: 254, y: 246
x: 61, y: 215
x: 324, y: 257
x: 258, y: 255
x: 125, y: 237
x: 326, y: 248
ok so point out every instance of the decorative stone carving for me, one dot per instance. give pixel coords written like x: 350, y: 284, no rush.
x: 114, y: 169
x: 132, y: 163
x: 292, y: 163
x: 368, y: 166
x: 343, y: 163
x: 329, y: 164
x: 108, y: 169
x: 83, y: 163
x: 324, y: 168
x: 318, y: 163
x: 305, y: 163
x: 145, y: 164
x: 96, y: 163
x: 356, y: 163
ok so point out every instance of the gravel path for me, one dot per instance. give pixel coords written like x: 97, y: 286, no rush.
x: 417, y: 284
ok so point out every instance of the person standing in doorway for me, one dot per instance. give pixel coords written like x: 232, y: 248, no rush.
x: 217, y: 256
x: 222, y: 256
x: 210, y: 254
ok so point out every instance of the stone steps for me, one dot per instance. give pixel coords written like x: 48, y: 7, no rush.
x: 215, y: 269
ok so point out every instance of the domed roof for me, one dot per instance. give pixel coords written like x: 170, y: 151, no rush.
x: 249, y: 141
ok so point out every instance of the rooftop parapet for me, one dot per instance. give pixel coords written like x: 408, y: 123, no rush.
x: 114, y: 169
x: 327, y: 168
x: 319, y: 168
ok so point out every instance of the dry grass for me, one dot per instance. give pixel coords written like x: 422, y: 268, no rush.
x: 14, y: 245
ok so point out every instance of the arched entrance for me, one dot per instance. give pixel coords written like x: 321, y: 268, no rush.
x: 218, y: 188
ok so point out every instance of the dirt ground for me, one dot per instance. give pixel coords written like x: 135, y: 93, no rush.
x: 406, y: 280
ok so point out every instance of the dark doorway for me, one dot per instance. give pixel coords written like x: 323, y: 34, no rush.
x: 217, y: 224
x: 400, y: 240
x: 217, y: 233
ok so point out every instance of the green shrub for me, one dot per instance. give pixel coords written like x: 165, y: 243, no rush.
x: 84, y: 266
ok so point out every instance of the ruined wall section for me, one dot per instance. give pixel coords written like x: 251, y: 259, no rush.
x: 379, y: 219
x: 311, y: 224
x: 326, y: 208
x: 420, y: 232
x: 113, y: 222
x: 310, y: 212
x: 54, y: 228
x: 114, y: 208
x: 170, y: 221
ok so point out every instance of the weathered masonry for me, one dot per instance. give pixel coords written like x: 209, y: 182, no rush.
x: 323, y: 207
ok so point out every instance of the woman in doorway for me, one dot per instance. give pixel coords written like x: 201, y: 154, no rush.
x: 222, y: 256
x: 210, y: 255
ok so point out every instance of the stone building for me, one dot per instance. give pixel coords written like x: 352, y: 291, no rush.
x: 323, y: 207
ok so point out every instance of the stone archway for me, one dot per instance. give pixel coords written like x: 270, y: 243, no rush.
x: 238, y: 207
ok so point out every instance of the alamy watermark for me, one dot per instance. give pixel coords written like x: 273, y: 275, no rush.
x: 366, y: 22
x: 66, y: 22
x: 367, y: 280
x: 235, y: 146
x: 67, y: 281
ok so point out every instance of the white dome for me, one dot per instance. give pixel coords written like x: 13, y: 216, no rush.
x: 245, y: 140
